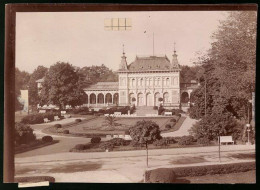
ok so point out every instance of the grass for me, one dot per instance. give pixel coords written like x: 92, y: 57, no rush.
x: 240, y: 177
x: 76, y: 167
x: 243, y: 156
x: 33, y: 145
x: 189, y: 160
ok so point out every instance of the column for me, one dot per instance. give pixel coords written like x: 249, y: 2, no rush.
x: 104, y: 99
x: 96, y: 99
x: 88, y: 99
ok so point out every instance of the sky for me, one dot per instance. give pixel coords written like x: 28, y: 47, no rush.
x: 79, y: 38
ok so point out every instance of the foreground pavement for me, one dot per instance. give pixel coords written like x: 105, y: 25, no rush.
x: 124, y: 166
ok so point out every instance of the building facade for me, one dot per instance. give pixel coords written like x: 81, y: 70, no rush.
x: 147, y: 81
x: 144, y: 82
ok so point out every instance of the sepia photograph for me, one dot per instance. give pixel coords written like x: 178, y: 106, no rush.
x: 135, y: 96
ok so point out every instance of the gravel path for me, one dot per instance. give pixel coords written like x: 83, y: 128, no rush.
x: 184, y: 129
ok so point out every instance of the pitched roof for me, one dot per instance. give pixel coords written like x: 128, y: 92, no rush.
x: 151, y: 63
x: 103, y: 86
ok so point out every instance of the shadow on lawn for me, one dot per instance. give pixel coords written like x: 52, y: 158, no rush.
x: 189, y: 160
x: 249, y: 156
x: 76, y: 167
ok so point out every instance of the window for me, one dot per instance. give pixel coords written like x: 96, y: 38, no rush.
x: 133, y: 82
x: 167, y: 81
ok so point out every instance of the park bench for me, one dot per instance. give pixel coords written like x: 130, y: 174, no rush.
x: 168, y: 113
x: 56, y: 118
x: 109, y: 136
x: 42, y: 111
x: 63, y: 113
x: 115, y: 136
x: 226, y: 139
x: 117, y: 113
x: 128, y: 137
x: 46, y: 120
x: 106, y: 115
x: 67, y: 116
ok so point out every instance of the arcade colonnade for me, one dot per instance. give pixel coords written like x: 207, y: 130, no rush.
x: 149, y: 98
x: 101, y: 98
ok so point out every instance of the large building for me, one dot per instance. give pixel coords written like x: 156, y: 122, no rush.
x: 143, y: 82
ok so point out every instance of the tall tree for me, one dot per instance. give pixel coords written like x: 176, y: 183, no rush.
x: 21, y: 83
x: 145, y: 132
x: 228, y: 77
x: 61, y: 86
x: 37, y: 74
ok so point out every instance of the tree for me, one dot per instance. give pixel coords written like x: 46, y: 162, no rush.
x: 145, y: 132
x: 94, y: 74
x: 21, y: 83
x: 37, y: 74
x: 61, y: 87
x: 110, y: 120
x: 228, y: 76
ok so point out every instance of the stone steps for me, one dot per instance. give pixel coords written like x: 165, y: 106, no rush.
x: 142, y: 111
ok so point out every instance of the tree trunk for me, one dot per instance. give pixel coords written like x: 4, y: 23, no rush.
x: 146, y: 145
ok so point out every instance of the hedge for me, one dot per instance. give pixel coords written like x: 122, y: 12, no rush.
x: 38, y: 118
x: 95, y: 140
x: 192, y: 171
x: 23, y: 134
x: 57, y: 126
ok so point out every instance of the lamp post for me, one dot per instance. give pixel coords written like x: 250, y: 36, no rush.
x: 248, y: 130
x: 248, y: 125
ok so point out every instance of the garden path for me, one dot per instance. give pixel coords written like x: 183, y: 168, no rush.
x: 184, y: 129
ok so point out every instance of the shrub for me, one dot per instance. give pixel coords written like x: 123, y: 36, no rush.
x: 161, y: 142
x: 203, y: 141
x: 186, y: 140
x: 204, y: 170
x: 170, y: 140
x: 173, y: 120
x: 57, y: 126
x: 79, y: 147
x: 66, y: 131
x: 95, y: 140
x: 23, y: 134
x: 162, y: 175
x: 168, y: 126
x: 160, y: 110
x: 172, y: 124
x: 178, y: 114
x: 118, y: 142
x: 106, y: 145
x: 47, y: 139
x: 77, y: 120
x: 33, y: 119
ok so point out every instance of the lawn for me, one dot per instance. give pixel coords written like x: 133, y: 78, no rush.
x: 241, y: 177
x: 97, y: 126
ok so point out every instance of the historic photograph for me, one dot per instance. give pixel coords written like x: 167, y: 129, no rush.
x: 135, y: 97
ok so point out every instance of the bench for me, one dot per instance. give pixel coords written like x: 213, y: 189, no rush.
x: 226, y: 139
x: 117, y: 113
x: 63, y: 113
x: 56, y: 118
x: 168, y: 113
x: 46, y: 120
x: 128, y: 137
x: 42, y: 111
